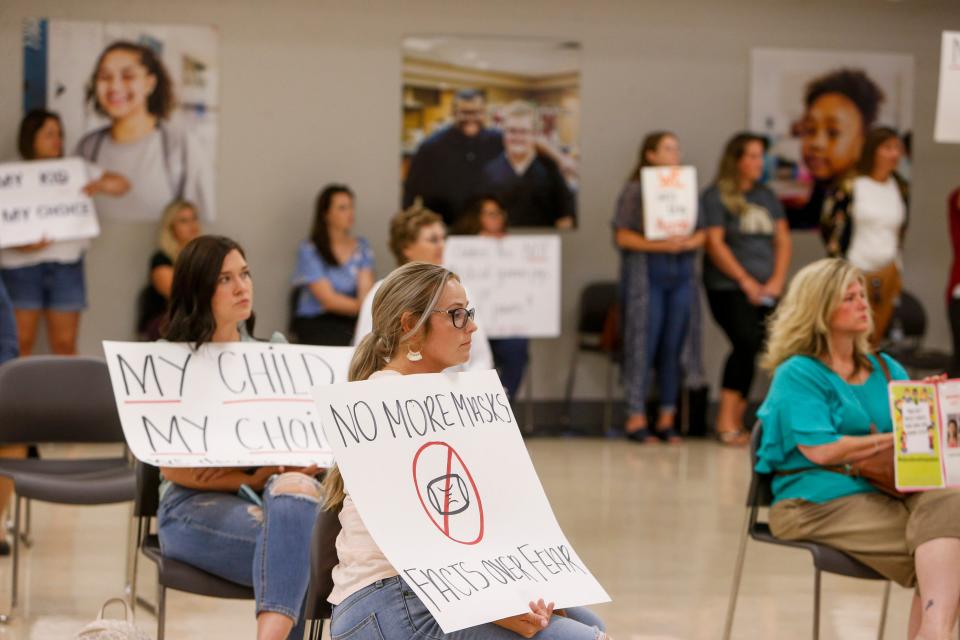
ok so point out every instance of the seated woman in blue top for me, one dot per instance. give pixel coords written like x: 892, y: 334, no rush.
x: 828, y: 405
x: 262, y: 540
x: 334, y: 272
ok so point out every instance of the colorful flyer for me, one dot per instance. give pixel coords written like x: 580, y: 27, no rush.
x: 925, y: 424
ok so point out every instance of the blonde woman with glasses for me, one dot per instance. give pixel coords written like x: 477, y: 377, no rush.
x: 828, y: 406
x: 422, y: 323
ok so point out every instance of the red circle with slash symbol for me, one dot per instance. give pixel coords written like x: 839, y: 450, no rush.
x: 448, y: 493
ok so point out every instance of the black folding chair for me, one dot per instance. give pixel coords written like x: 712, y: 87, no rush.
x: 323, y: 559
x: 65, y: 400
x: 904, y: 339
x: 596, y: 301
x: 825, y: 559
x: 171, y: 574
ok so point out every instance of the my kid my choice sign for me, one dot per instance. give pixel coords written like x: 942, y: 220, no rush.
x: 442, y: 480
x: 45, y: 200
x: 240, y: 404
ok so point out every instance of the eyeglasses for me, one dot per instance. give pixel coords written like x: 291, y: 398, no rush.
x: 459, y: 316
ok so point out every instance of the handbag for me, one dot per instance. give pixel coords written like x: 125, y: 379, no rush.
x: 112, y: 629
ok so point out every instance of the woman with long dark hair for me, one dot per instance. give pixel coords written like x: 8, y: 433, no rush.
x: 745, y: 269
x: 658, y: 295
x: 202, y: 519
x: 334, y: 272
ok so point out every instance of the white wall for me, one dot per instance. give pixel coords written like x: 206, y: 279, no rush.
x: 310, y: 94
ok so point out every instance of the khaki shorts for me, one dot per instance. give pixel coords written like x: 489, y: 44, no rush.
x: 879, y: 531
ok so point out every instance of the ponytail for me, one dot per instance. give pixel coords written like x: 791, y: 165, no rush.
x: 413, y: 288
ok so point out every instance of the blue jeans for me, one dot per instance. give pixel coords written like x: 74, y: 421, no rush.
x: 389, y: 610
x: 267, y: 548
x: 510, y: 355
x: 9, y: 345
x: 670, y: 282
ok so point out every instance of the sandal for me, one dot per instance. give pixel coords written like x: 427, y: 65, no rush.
x: 733, y: 437
x: 642, y: 436
x: 669, y: 435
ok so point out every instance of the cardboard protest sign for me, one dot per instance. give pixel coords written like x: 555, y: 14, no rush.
x: 43, y: 199
x: 669, y: 201
x: 947, y: 127
x: 239, y: 404
x: 442, y: 480
x: 514, y: 282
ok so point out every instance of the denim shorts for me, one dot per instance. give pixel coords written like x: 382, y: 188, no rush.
x: 57, y: 286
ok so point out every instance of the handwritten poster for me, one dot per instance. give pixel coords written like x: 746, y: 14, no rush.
x: 440, y: 475
x: 44, y: 199
x: 947, y: 126
x: 914, y: 408
x: 669, y: 201
x: 514, y: 282
x: 239, y: 404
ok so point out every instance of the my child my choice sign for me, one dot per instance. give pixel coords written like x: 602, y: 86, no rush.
x: 442, y: 480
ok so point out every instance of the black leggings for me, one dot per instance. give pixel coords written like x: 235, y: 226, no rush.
x: 744, y: 325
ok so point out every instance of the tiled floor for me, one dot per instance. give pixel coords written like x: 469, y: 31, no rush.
x: 658, y: 525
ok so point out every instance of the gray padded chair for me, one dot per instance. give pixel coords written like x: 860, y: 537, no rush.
x: 57, y: 399
x: 171, y: 574
x: 825, y: 559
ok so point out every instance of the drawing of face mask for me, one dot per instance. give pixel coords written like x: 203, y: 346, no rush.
x: 448, y: 494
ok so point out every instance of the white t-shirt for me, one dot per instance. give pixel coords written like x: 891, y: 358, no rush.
x: 63, y: 251
x: 481, y: 358
x: 878, y: 214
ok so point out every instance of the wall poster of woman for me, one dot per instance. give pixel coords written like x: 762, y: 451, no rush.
x: 140, y: 100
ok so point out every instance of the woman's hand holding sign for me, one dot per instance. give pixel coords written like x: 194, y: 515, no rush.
x: 529, y: 624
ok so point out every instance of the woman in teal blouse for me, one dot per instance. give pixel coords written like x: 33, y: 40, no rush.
x: 828, y: 405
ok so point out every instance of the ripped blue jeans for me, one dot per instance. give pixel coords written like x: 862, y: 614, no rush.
x: 267, y: 548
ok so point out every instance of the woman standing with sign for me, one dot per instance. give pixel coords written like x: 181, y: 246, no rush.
x: 252, y: 526
x: 748, y: 252
x: 828, y: 408
x: 658, y: 293
x: 334, y: 272
x: 485, y: 216
x: 422, y: 323
x: 46, y: 278
x: 865, y: 220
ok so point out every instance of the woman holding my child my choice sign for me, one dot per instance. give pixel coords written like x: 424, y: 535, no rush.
x: 250, y: 526
x: 422, y: 323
